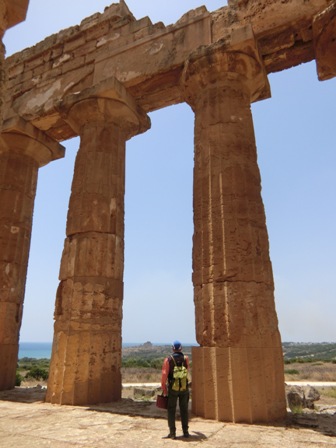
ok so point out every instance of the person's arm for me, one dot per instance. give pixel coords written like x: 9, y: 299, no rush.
x: 186, y: 358
x: 164, y: 376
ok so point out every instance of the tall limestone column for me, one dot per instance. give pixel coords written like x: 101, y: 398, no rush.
x: 23, y: 149
x: 86, y: 354
x: 238, y: 368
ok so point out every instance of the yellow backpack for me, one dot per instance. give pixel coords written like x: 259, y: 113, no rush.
x: 180, y: 376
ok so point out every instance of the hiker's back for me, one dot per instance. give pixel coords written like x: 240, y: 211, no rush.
x: 178, y: 376
x: 174, y: 383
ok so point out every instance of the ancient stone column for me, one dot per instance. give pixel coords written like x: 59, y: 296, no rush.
x: 21, y: 155
x: 86, y: 354
x: 238, y: 368
x: 3, y: 26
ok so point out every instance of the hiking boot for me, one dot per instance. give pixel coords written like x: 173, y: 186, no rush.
x: 171, y: 435
x: 186, y: 434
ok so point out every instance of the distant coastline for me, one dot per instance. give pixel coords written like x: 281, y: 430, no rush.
x: 40, y: 350
x: 36, y: 350
x: 291, y: 350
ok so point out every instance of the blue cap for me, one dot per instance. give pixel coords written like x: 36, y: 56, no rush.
x: 177, y: 345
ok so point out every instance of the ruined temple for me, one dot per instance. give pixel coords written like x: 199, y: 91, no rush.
x: 98, y: 80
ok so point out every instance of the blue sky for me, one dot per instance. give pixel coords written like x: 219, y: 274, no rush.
x: 295, y: 135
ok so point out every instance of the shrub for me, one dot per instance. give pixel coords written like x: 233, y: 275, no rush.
x: 18, y: 379
x: 156, y: 363
x: 296, y: 409
x: 37, y: 373
x: 292, y: 372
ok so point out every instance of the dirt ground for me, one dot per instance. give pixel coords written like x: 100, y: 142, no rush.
x: 27, y: 421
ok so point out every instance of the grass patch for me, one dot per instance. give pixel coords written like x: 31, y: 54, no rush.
x: 317, y: 371
x: 329, y: 392
x: 292, y: 372
x: 296, y: 409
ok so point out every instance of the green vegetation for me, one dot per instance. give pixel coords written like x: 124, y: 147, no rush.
x: 328, y: 392
x: 296, y: 409
x: 292, y: 372
x: 18, y: 380
x: 37, y: 373
x: 28, y: 363
x: 155, y: 363
x: 32, y: 368
x: 309, y: 352
x: 305, y: 361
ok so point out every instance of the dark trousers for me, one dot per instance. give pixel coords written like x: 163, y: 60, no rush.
x: 183, y: 398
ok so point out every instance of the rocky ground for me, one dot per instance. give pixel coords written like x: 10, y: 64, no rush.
x: 27, y: 421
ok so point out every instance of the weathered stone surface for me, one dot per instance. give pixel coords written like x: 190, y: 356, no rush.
x: 148, y: 58
x: 225, y: 379
x: 97, y: 80
x: 12, y: 12
x: 236, y: 323
x: 26, y: 421
x: 324, y: 28
x: 86, y: 357
x: 22, y: 150
x: 300, y: 397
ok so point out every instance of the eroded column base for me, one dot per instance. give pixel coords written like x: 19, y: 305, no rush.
x: 8, y: 357
x: 240, y: 385
x: 85, y: 369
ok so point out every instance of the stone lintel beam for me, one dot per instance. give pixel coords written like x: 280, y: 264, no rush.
x: 147, y: 58
x: 273, y: 14
x: 235, y: 58
x: 155, y: 53
x: 18, y: 135
x: 324, y: 30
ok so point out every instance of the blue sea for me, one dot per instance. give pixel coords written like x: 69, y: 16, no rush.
x: 40, y: 350
x: 35, y: 350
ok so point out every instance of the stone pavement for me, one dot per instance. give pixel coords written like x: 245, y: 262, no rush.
x: 26, y: 421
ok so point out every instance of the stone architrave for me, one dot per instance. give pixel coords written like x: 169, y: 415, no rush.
x: 324, y: 31
x: 238, y: 368
x: 11, y: 13
x: 86, y: 354
x: 23, y: 150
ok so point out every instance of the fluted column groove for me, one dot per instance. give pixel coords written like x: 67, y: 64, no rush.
x: 86, y: 355
x: 236, y: 322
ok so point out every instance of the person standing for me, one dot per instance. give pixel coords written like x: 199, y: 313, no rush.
x: 174, y: 383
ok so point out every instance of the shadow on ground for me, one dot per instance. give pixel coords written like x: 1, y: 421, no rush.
x: 323, y: 422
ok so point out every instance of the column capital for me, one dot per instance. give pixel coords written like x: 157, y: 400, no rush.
x: 324, y: 31
x: 12, y: 12
x: 19, y: 136
x: 107, y: 102
x: 235, y: 59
